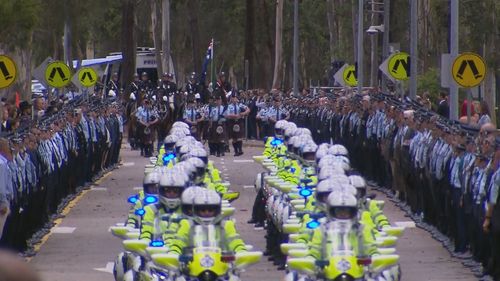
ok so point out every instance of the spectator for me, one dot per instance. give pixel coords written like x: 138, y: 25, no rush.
x: 443, y: 106
x: 6, y: 122
x: 485, y: 114
x: 463, y: 110
x: 5, y: 183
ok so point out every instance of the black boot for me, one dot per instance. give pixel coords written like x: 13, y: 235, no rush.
x: 235, y: 147
x: 212, y: 148
x: 216, y: 148
x: 226, y: 148
x: 221, y: 149
x: 239, y: 145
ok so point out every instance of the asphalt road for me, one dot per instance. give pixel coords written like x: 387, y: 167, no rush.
x: 81, y: 248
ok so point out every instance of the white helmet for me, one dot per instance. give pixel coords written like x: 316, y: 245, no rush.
x: 323, y: 189
x: 170, y: 190
x: 342, y: 206
x: 199, y: 152
x: 170, y: 141
x: 359, y: 183
x: 329, y: 172
x: 279, y: 128
x: 199, y: 164
x: 308, y: 152
x: 207, y: 206
x: 338, y: 149
x: 346, y: 188
x: 304, y: 131
x: 322, y: 151
x: 180, y: 131
x: 150, y: 182
x: 290, y: 130
x: 187, y: 199
x: 180, y: 124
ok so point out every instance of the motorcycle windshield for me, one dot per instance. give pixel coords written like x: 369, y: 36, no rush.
x: 341, y: 240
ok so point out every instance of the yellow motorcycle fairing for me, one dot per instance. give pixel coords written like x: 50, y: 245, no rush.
x: 136, y: 246
x: 382, y: 262
x: 343, y: 264
x: 167, y: 261
x: 231, y: 196
x: 120, y: 231
x: 305, y: 265
x: 207, y: 258
x: 245, y: 259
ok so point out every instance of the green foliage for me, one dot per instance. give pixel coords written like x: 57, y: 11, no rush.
x: 17, y: 19
x: 429, y: 82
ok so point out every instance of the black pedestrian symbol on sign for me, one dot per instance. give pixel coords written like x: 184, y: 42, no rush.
x: 59, y: 71
x: 403, y: 63
x: 472, y: 66
x: 351, y: 72
x: 85, y: 74
x: 5, y: 71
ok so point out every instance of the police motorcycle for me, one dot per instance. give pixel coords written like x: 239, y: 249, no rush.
x: 342, y: 249
x: 213, y: 251
x: 131, y: 228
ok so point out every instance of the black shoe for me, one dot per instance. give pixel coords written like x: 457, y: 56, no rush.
x: 252, y: 221
x: 218, y: 154
x: 259, y: 224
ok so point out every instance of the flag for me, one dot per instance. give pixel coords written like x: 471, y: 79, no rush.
x: 18, y: 99
x: 208, y: 57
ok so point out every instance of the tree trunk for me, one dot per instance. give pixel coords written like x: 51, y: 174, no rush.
x: 330, y: 8
x: 156, y: 28
x: 354, y: 17
x: 195, y: 34
x: 249, y: 40
x: 165, y: 36
x: 128, y: 43
x: 278, y: 46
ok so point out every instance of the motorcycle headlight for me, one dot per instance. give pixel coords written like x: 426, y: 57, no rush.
x: 207, y: 276
x: 344, y: 277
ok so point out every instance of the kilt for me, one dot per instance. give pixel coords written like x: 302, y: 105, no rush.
x: 236, y: 128
x: 217, y: 132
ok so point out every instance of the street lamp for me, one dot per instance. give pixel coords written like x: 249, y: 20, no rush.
x: 373, y: 31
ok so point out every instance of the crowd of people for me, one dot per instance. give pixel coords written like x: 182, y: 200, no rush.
x: 53, y: 154
x: 445, y: 173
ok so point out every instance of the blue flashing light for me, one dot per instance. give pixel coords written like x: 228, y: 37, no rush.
x: 313, y: 224
x: 157, y: 243
x: 168, y: 157
x: 292, y: 170
x: 140, y: 212
x: 150, y: 199
x: 132, y: 199
x: 305, y: 192
x: 276, y: 142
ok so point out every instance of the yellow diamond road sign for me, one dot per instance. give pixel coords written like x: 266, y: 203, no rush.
x: 468, y: 70
x: 399, y: 66
x: 87, y: 76
x: 349, y: 75
x: 57, y: 74
x: 8, y: 71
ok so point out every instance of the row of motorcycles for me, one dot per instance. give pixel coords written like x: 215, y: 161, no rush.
x: 321, y: 222
x: 180, y: 226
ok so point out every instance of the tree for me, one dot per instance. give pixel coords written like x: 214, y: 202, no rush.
x: 249, y: 40
x: 128, y: 42
x: 278, y: 47
x: 156, y: 28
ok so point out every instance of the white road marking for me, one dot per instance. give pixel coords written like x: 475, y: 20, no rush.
x: 243, y: 161
x: 407, y: 224
x: 108, y: 269
x: 138, y: 188
x: 128, y: 164
x: 63, y: 229
x: 98, y: 188
x: 248, y: 186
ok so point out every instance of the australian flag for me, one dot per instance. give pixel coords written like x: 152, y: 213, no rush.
x: 208, y: 57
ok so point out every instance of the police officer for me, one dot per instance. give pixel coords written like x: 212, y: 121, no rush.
x: 134, y: 87
x: 217, y: 127
x: 235, y: 114
x: 192, y: 116
x: 145, y: 85
x: 146, y: 116
x: 114, y: 85
x: 191, y: 86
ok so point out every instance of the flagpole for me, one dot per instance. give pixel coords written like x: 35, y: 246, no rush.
x: 212, y: 75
